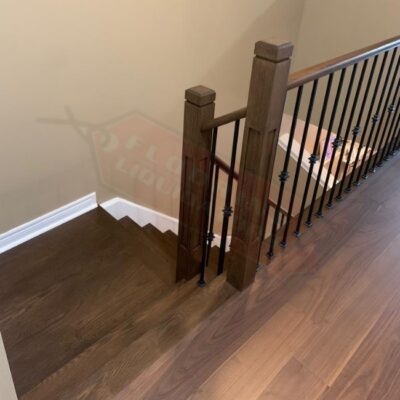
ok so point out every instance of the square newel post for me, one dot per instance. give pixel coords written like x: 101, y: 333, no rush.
x: 196, y: 158
x: 267, y: 94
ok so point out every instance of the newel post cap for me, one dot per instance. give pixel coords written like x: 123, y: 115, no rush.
x: 200, y: 95
x: 275, y: 50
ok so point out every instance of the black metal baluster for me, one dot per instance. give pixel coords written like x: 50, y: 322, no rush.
x: 284, y: 175
x: 356, y: 130
x: 391, y: 113
x: 378, y: 116
x: 300, y: 157
x: 263, y: 230
x: 315, y: 157
x: 210, y: 235
x: 327, y: 143
x: 396, y: 137
x: 390, y: 110
x: 397, y: 143
x: 202, y: 280
x: 338, y: 141
x: 228, y: 208
x: 374, y: 119
x: 392, y: 133
x: 282, y: 219
x: 364, y: 131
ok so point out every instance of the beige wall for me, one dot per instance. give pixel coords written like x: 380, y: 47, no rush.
x: 332, y: 28
x: 96, y: 60
x: 7, y: 390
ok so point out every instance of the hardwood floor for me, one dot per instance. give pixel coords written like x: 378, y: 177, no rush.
x: 90, y: 310
x: 321, y: 322
x: 86, y: 307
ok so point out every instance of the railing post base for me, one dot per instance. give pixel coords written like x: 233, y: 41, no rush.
x: 267, y: 94
x: 196, y: 155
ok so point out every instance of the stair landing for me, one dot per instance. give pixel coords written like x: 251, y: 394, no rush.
x: 86, y: 307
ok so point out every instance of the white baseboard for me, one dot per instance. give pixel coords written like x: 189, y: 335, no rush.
x: 120, y: 208
x: 46, y: 222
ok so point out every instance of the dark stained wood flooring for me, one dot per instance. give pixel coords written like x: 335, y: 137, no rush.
x: 321, y: 322
x: 87, y: 306
x: 90, y: 311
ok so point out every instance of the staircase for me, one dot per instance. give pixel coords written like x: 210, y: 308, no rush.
x: 88, y: 306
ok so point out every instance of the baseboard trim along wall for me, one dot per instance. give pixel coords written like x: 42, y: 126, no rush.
x: 117, y: 207
x: 120, y: 208
x: 46, y: 222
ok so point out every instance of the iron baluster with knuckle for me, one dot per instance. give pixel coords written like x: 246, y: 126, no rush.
x: 397, y: 143
x: 300, y: 157
x: 327, y: 143
x: 314, y: 158
x: 356, y: 130
x: 227, y: 211
x: 374, y: 119
x: 204, y: 257
x: 395, y: 136
x: 378, y: 116
x: 284, y: 175
x: 389, y: 109
x: 378, y: 128
x: 210, y: 234
x: 367, y: 121
x: 325, y: 149
x: 339, y: 141
x: 392, y: 133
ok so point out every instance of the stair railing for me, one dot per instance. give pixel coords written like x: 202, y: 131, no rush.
x: 357, y: 128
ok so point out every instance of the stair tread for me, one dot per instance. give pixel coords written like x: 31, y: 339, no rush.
x: 92, y: 296
x: 174, y: 323
x: 154, y: 253
x: 167, y: 242
x: 106, y: 348
x: 62, y: 309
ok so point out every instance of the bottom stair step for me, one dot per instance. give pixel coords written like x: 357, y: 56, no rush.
x: 116, y: 360
x: 155, y: 251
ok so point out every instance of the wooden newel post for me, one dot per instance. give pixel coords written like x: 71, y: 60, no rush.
x: 267, y: 94
x: 196, y: 157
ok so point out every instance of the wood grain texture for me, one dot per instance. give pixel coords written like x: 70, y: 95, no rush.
x: 93, y: 303
x: 195, y: 177
x: 266, y: 101
x: 373, y: 372
x: 308, y: 74
x: 294, y: 382
x: 320, y: 322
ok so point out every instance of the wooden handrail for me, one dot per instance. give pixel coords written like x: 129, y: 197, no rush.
x: 225, y: 119
x: 223, y: 166
x: 309, y: 74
